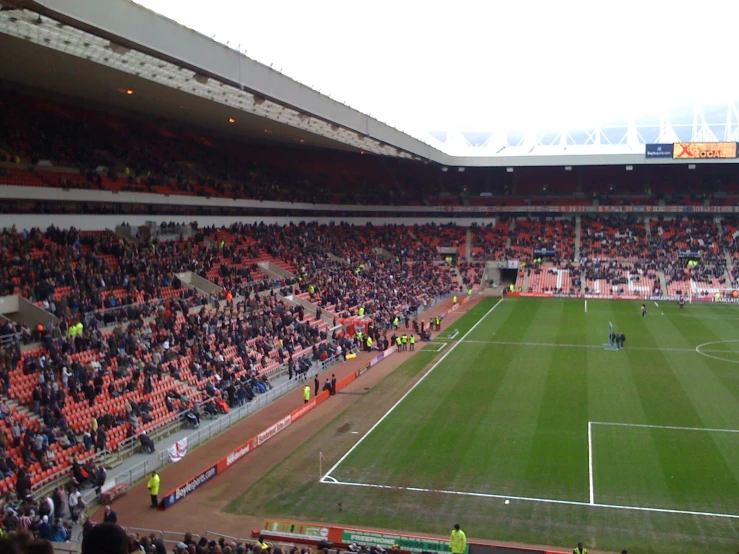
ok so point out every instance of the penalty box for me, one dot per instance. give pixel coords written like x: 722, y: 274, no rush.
x: 664, y: 467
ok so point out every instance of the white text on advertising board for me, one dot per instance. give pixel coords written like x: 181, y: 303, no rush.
x: 267, y: 434
x: 238, y: 454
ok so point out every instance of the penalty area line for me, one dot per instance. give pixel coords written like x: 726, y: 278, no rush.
x: 330, y: 480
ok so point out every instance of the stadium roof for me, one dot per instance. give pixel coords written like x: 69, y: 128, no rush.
x: 478, y: 77
x: 98, y: 51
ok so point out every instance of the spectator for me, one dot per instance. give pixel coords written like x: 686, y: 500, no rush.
x: 105, y: 538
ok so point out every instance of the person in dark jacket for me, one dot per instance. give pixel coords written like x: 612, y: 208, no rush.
x: 110, y: 516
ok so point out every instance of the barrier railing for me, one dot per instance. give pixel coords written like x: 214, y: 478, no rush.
x: 140, y: 470
x: 129, y: 447
x: 184, y: 489
x: 71, y: 547
x: 162, y: 534
x: 217, y: 426
x: 285, y: 546
x: 47, y: 484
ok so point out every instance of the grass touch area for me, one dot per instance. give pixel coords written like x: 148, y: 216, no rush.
x: 634, y: 449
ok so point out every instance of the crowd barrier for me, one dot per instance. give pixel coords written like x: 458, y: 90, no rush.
x: 314, y: 533
x: 213, y: 470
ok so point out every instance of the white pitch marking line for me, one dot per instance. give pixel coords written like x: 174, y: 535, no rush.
x: 672, y: 427
x: 392, y: 408
x: 531, y: 499
x: 590, y: 462
x: 597, y: 346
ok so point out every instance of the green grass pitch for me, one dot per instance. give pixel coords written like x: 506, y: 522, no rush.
x: 634, y: 449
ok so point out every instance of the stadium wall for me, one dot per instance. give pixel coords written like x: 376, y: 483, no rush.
x: 110, y: 222
x: 54, y: 194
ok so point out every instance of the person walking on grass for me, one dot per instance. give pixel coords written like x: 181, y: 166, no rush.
x: 457, y: 540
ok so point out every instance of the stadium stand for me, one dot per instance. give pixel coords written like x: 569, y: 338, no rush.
x: 543, y: 233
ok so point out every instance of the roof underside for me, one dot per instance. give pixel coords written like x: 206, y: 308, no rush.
x: 50, y: 71
x: 180, y: 97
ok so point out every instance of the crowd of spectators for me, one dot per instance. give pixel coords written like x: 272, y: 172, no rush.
x: 532, y: 236
x: 133, y: 346
x: 107, y: 372
x: 611, y: 237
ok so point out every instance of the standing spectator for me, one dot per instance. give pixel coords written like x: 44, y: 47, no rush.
x: 110, y: 516
x: 100, y: 440
x: 457, y: 540
x: 153, y: 486
x: 75, y: 503
x: 333, y: 383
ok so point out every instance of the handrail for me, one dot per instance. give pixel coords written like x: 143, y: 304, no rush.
x: 195, y: 438
x: 246, y: 541
x: 217, y: 426
x: 162, y: 534
x: 94, y: 457
x: 173, y: 421
x: 146, y: 530
x: 155, y: 302
x: 73, y: 547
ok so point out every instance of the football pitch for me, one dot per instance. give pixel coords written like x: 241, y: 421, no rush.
x: 528, y: 427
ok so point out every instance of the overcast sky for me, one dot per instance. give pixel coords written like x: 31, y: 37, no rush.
x: 479, y: 65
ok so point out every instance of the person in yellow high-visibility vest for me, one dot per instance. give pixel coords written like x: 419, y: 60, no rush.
x: 412, y: 342
x: 457, y: 540
x: 579, y: 549
x: 153, y: 486
x: 306, y: 394
x: 454, y: 299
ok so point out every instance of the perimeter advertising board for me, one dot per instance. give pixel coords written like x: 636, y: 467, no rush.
x: 658, y: 151
x: 190, y: 486
x: 386, y: 541
x: 704, y: 150
x: 298, y: 530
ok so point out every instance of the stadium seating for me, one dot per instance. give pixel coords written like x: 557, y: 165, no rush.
x: 612, y: 238
x: 543, y: 233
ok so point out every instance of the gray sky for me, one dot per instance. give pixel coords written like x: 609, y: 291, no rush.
x: 480, y: 65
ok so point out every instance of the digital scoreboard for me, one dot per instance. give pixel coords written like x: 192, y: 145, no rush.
x: 704, y: 150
